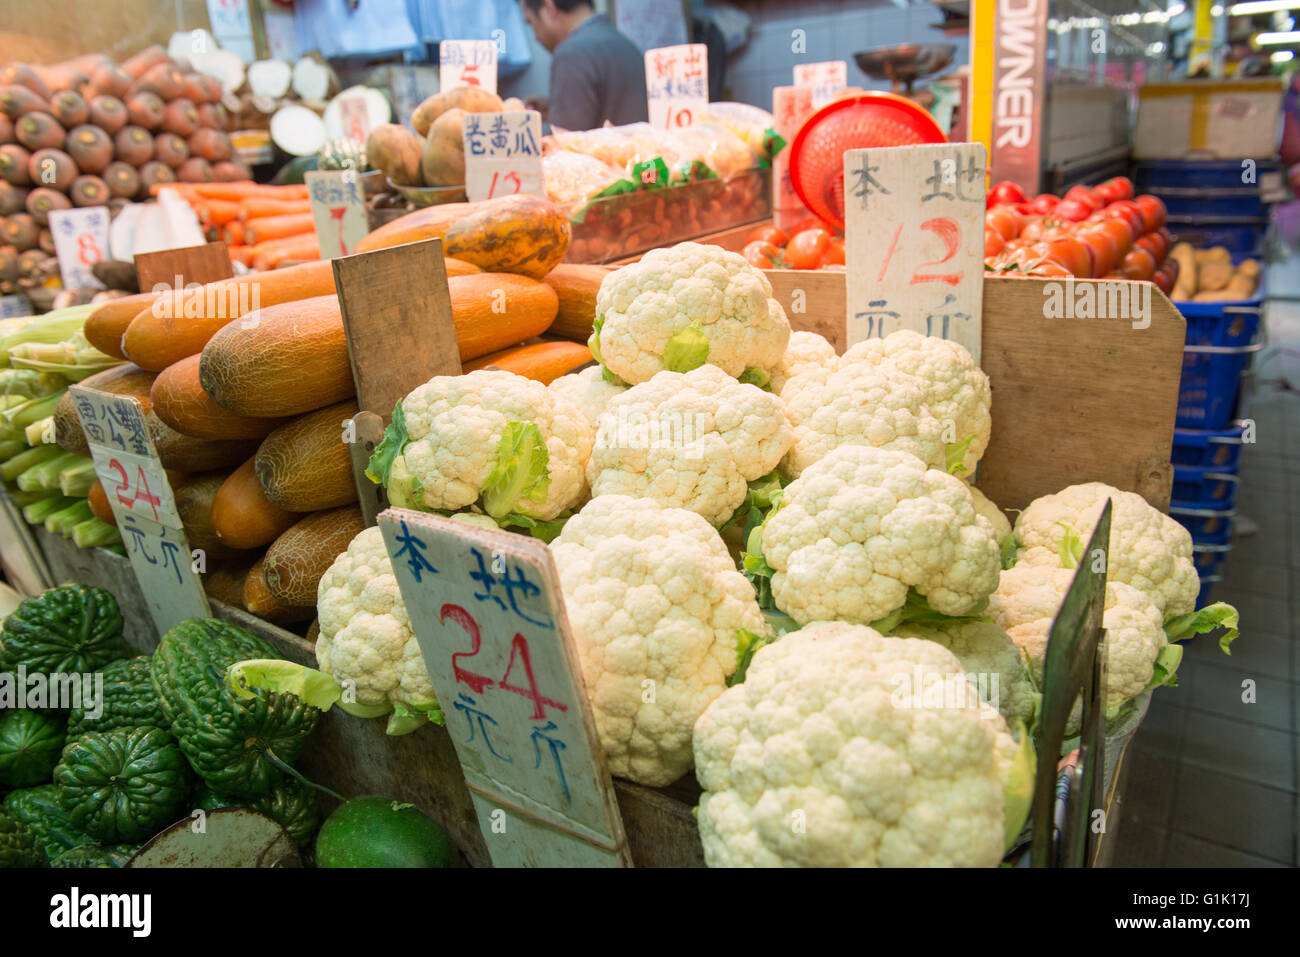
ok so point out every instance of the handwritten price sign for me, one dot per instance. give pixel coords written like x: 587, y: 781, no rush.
x: 914, y: 241
x: 503, y: 154
x: 127, y: 465
x: 791, y: 105
x: 825, y: 79
x: 80, y: 241
x: 487, y: 611
x: 354, y: 117
x: 677, y: 84
x: 468, y: 63
x: 338, y: 207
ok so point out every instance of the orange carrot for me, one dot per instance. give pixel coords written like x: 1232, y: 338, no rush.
x: 236, y: 192
x: 234, y: 233
x: 219, y: 212
x: 255, y: 207
x: 240, y: 254
x: 271, y: 254
x: 277, y: 227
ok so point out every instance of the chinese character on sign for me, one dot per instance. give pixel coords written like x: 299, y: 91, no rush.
x: 502, y: 154
x: 499, y: 577
x: 468, y: 63
x: 476, y: 716
x: 413, y: 551
x: 864, y: 181
x: 876, y: 313
x: 556, y: 746
x: 676, y: 84
x: 824, y: 80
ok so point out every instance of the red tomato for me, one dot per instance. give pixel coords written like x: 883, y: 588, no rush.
x: 1005, y: 220
x: 1138, y: 264
x: 760, y: 253
x: 1153, y: 211
x: 1128, y: 211
x: 1005, y: 192
x: 1072, y: 210
x: 1163, y: 280
x: 1102, y: 248
x: 812, y: 222
x: 1157, y: 244
x: 807, y: 249
x: 1172, y: 267
x: 1071, y: 253
x: 1115, y: 189
x: 1120, y: 236
x: 1086, y: 196
x: 1044, y: 202
x: 834, y: 253
x: 993, y: 242
x: 768, y: 234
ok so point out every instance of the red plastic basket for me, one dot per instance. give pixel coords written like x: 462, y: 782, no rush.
x: 854, y: 122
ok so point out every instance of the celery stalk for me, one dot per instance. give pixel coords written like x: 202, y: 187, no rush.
x: 93, y: 533
x: 36, y: 432
x: 64, y: 521
x: 31, y: 411
x: 21, y: 462
x: 23, y: 499
x: 77, y: 478
x: 46, y: 475
x: 38, y: 512
x: 11, y: 447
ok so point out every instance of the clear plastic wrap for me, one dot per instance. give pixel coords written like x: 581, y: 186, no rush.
x: 716, y: 147
x: 573, y: 179
x: 750, y: 123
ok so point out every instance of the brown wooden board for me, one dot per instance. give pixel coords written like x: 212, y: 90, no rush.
x: 397, y: 313
x: 206, y: 263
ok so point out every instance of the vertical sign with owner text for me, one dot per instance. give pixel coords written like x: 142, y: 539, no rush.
x: 503, y: 154
x: 127, y: 465
x: 1019, y: 89
x: 914, y: 241
x: 338, y: 205
x: 486, y: 608
x: 80, y: 241
x: 467, y: 63
x: 825, y: 79
x: 677, y: 84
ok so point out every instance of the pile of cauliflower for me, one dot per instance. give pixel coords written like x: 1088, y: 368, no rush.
x: 775, y: 568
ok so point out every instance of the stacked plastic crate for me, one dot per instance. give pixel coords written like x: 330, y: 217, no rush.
x: 1212, y: 204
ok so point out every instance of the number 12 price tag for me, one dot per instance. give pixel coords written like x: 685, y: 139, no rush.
x: 80, y: 241
x: 486, y: 608
x: 914, y: 241
x: 503, y: 154
x: 338, y: 206
x: 677, y: 84
x: 127, y: 465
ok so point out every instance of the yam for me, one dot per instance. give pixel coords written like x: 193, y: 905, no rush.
x: 443, y: 161
x: 397, y: 152
x: 470, y: 99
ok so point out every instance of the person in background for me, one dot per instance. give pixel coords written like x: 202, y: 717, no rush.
x: 597, y: 74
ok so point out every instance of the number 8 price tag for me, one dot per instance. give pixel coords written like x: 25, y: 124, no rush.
x: 80, y: 241
x: 126, y: 464
x: 486, y: 608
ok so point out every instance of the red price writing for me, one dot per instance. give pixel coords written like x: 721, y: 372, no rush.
x: 949, y: 233
x: 87, y: 251
x: 681, y: 116
x: 337, y: 213
x: 469, y: 75
x: 141, y: 492
x: 519, y: 652
x: 510, y: 178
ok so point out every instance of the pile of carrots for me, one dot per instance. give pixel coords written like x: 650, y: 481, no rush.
x: 262, y: 226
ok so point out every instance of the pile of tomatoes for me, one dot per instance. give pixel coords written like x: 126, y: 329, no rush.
x: 1099, y: 232
x: 808, y: 245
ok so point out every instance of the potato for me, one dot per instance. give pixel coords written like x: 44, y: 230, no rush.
x: 1249, y: 267
x: 1214, y: 275
x: 443, y: 161
x: 1214, y: 254
x: 396, y: 151
x: 471, y: 99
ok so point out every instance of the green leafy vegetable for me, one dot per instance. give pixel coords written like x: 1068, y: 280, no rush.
x: 1218, y: 615
x: 747, y: 643
x: 1018, y: 788
x: 916, y: 610
x: 1010, y: 548
x: 1166, y: 664
x: 395, y: 438
x: 521, y: 472
x: 756, y: 376
x: 954, y: 452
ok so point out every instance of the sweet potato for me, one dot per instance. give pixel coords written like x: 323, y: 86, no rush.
x: 90, y: 148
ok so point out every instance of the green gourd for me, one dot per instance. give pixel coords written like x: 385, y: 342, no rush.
x: 69, y: 629
x: 30, y: 744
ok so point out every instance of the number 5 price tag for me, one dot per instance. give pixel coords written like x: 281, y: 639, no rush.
x: 338, y: 206
x: 914, y: 241
x: 503, y: 154
x: 127, y: 465
x: 80, y: 241
x: 486, y: 608
x: 467, y: 63
x: 677, y: 84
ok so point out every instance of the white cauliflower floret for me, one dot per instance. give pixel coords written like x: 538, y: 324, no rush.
x: 680, y: 307
x: 490, y: 435
x: 365, y: 634
x: 1027, y: 600
x: 994, y: 664
x: 1148, y: 549
x: 997, y: 518
x: 657, y: 609
x: 844, y: 748
x: 957, y: 391
x: 588, y: 390
x: 806, y: 351
x: 862, y: 525
x: 691, y: 440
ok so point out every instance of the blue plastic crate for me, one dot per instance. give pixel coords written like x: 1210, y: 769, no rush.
x: 1244, y: 238
x: 1204, y: 487
x: 1207, y: 586
x: 1220, y: 447
x: 1209, y: 559
x: 1187, y: 174
x: 1200, y: 203
x: 1219, y: 346
x: 1207, y: 526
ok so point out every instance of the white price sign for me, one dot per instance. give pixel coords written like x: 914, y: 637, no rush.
x: 127, y: 465
x: 487, y: 611
x: 338, y: 206
x: 791, y: 105
x: 677, y: 84
x: 80, y: 241
x: 354, y: 117
x: 503, y: 154
x: 914, y: 241
x: 825, y: 79
x: 232, y: 26
x: 468, y: 63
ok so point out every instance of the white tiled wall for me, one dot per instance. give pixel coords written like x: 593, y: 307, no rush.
x: 835, y: 30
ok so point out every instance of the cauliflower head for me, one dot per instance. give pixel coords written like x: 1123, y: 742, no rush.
x: 588, y: 390
x: 994, y: 665
x: 997, y: 518
x: 661, y: 618
x: 863, y: 525
x: 493, y: 437
x: 806, y: 351
x: 689, y: 440
x: 844, y: 748
x: 1027, y: 600
x: 365, y: 634
x: 1148, y: 549
x: 832, y: 406
x: 957, y: 390
x: 686, y: 305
